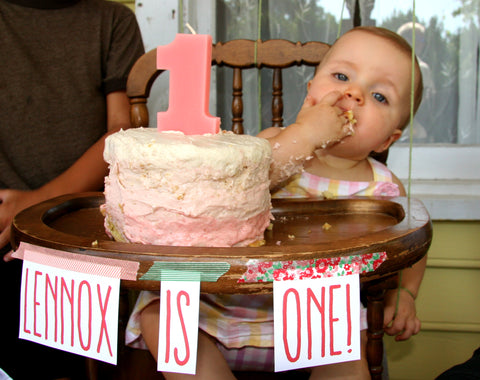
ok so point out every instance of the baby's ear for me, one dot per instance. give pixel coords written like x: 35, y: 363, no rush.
x: 397, y: 133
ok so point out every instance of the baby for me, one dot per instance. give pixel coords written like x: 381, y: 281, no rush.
x: 367, y: 74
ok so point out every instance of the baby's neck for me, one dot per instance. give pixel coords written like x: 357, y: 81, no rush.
x: 328, y: 166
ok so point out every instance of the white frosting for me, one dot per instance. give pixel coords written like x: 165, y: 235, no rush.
x: 169, y: 188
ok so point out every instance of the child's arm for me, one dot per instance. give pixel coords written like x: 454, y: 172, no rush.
x: 317, y: 125
x: 405, y: 323
x: 86, y: 174
x: 402, y: 299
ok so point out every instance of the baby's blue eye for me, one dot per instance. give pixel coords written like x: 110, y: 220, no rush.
x: 379, y: 97
x: 341, y: 77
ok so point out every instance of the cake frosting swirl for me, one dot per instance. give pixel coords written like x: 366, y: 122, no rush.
x: 168, y: 188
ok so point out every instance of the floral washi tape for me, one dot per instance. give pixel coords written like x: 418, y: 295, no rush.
x: 267, y: 271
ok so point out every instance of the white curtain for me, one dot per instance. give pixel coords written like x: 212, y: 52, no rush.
x: 469, y: 99
x: 448, y: 114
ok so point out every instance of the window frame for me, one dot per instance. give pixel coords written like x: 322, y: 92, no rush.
x: 446, y: 178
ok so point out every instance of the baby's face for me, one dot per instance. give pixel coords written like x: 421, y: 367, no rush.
x: 374, y: 76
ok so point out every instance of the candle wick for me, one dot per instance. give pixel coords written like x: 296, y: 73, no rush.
x: 190, y: 28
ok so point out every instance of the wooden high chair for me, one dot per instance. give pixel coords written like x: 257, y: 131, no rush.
x: 275, y: 55
x: 400, y: 227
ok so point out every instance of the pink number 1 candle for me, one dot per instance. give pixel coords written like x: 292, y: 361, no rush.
x: 189, y: 59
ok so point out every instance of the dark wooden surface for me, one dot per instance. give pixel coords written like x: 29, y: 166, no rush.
x: 399, y: 226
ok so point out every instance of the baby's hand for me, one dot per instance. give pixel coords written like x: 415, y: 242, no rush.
x: 405, y: 323
x: 323, y: 121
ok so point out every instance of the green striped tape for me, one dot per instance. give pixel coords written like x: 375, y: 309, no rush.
x: 186, y: 271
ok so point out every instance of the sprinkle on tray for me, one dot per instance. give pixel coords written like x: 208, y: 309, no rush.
x: 326, y: 226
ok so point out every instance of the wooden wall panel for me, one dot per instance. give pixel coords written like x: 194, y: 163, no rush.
x: 448, y: 305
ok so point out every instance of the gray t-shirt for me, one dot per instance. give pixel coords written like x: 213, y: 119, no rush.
x: 56, y: 66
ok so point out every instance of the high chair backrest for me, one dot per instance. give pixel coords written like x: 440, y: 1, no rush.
x: 239, y: 55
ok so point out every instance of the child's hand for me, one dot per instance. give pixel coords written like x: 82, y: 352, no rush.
x: 323, y: 122
x: 11, y: 203
x: 405, y: 323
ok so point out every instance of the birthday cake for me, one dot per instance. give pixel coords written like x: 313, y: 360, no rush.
x: 168, y: 188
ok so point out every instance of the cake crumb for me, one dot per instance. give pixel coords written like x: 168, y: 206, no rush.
x: 328, y: 195
x: 326, y: 226
x: 270, y: 227
x: 291, y: 237
x: 350, y: 118
x: 351, y: 121
x: 95, y: 243
x: 278, y: 242
x: 325, y: 144
x: 257, y: 243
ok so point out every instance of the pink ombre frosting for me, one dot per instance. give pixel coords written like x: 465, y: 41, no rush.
x: 189, y: 190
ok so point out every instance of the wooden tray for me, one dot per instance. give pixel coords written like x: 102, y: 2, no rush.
x: 399, y: 226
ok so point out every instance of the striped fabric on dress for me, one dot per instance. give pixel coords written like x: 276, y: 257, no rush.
x: 306, y: 185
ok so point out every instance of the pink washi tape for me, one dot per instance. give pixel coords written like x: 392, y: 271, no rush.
x: 100, y: 266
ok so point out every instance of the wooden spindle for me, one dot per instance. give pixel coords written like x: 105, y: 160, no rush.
x: 237, y: 102
x: 139, y: 112
x: 375, y: 292
x: 277, y: 98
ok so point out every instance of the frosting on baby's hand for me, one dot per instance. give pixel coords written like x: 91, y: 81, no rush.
x: 348, y: 130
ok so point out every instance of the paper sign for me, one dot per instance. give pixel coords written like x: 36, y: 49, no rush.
x: 70, y: 311
x: 178, y: 327
x: 317, y: 321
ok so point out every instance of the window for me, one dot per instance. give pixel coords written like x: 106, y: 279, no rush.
x: 445, y: 171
